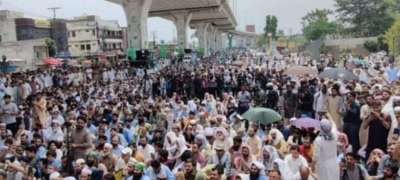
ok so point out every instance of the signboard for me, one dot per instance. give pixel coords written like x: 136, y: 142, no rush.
x: 42, y: 23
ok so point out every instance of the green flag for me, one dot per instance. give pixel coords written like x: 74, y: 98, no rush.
x: 163, y: 51
x: 131, y: 53
x: 181, y: 52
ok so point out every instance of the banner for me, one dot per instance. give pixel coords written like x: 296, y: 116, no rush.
x: 163, y: 51
x: 131, y: 53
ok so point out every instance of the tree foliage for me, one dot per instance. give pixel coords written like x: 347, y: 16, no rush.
x: 373, y: 16
x: 52, y: 47
x: 371, y: 46
x: 316, y: 24
x: 271, y: 26
x: 261, y: 40
x: 392, y: 37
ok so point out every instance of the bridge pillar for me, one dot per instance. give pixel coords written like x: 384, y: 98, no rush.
x: 137, y: 12
x: 211, y: 39
x: 202, y: 36
x: 182, y: 21
x: 218, y: 40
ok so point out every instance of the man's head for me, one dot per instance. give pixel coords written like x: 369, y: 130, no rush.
x: 377, y: 106
x: 369, y: 99
x: 156, y: 165
x: 139, y: 169
x: 390, y: 171
x: 351, y: 159
x: 143, y: 141
x: 351, y: 96
x: 126, y: 154
x: 304, y: 172
x: 386, y: 95
x: 81, y: 121
x: 251, y: 132
x: 216, y: 173
x: 7, y: 99
x: 334, y: 92
x: 294, y: 151
x: 307, y: 142
x: 51, y: 156
x: 115, y: 141
x: 274, y: 175
x: 390, y: 149
x: 190, y: 165
x: 237, y: 142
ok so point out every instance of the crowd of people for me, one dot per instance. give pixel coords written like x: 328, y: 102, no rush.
x: 184, y: 122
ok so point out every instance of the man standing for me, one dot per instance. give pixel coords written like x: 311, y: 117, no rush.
x: 254, y: 142
x: 9, y: 111
x: 320, y: 99
x: 365, y: 112
x: 352, y: 122
x: 81, y: 139
x: 244, y: 99
x: 392, y: 72
x: 40, y: 105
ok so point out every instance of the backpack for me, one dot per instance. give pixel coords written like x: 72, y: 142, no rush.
x: 359, y: 173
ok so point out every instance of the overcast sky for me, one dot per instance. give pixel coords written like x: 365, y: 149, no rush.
x: 288, y: 12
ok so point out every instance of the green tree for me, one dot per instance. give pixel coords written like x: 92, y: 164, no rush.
x: 316, y: 24
x: 392, y: 37
x: 260, y: 41
x: 271, y: 26
x: 52, y: 47
x: 373, y: 16
x: 371, y: 46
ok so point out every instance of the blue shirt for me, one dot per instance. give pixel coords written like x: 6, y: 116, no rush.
x: 168, y: 172
x: 56, y: 163
x: 392, y: 72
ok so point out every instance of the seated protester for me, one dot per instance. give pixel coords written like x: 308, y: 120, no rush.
x: 54, y: 132
x: 146, y: 149
x: 156, y: 137
x: 351, y: 170
x: 307, y: 149
x: 280, y: 166
x: 180, y: 163
x: 93, y: 162
x: 295, y: 138
x: 390, y: 172
x: 217, y: 173
x: 135, y: 153
x: 204, y: 147
x: 386, y: 159
x: 190, y: 171
x: 373, y: 161
x: 257, y: 171
x: 294, y: 160
x: 127, y: 135
x: 243, y: 159
x: 255, y: 142
x: 198, y: 156
x: 32, y: 160
x: 269, y: 154
x: 221, y: 157
x: 163, y: 158
x: 54, y: 146
x: 138, y: 172
x: 158, y: 170
x: 343, y: 146
x: 274, y: 175
x: 100, y: 133
x: 102, y: 140
x: 116, y: 146
x: 304, y: 174
x: 121, y: 137
x: 275, y: 138
x: 189, y: 135
x: 52, y: 159
x: 108, y: 158
x: 124, y: 159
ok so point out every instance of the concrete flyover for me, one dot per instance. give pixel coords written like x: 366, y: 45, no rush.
x: 210, y: 17
x: 242, y: 39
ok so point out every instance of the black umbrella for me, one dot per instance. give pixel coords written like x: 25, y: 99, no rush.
x: 338, y: 73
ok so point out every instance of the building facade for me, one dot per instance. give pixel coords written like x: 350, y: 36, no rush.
x: 94, y: 38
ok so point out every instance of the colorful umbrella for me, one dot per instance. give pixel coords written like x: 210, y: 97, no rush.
x: 262, y: 115
x: 300, y: 70
x: 306, y: 122
x: 52, y: 61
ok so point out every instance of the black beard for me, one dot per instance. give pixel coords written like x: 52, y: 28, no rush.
x: 137, y: 176
x: 90, y: 163
x: 254, y: 176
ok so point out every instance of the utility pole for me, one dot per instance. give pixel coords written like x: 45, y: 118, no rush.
x: 154, y: 35
x: 54, y: 9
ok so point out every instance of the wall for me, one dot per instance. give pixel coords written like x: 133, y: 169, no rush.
x: 7, y: 25
x: 336, y: 46
x: 33, y: 51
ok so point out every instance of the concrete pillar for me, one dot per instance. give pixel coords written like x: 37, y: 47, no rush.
x: 202, y: 37
x: 181, y: 22
x: 218, y: 40
x: 137, y: 12
x: 211, y: 39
